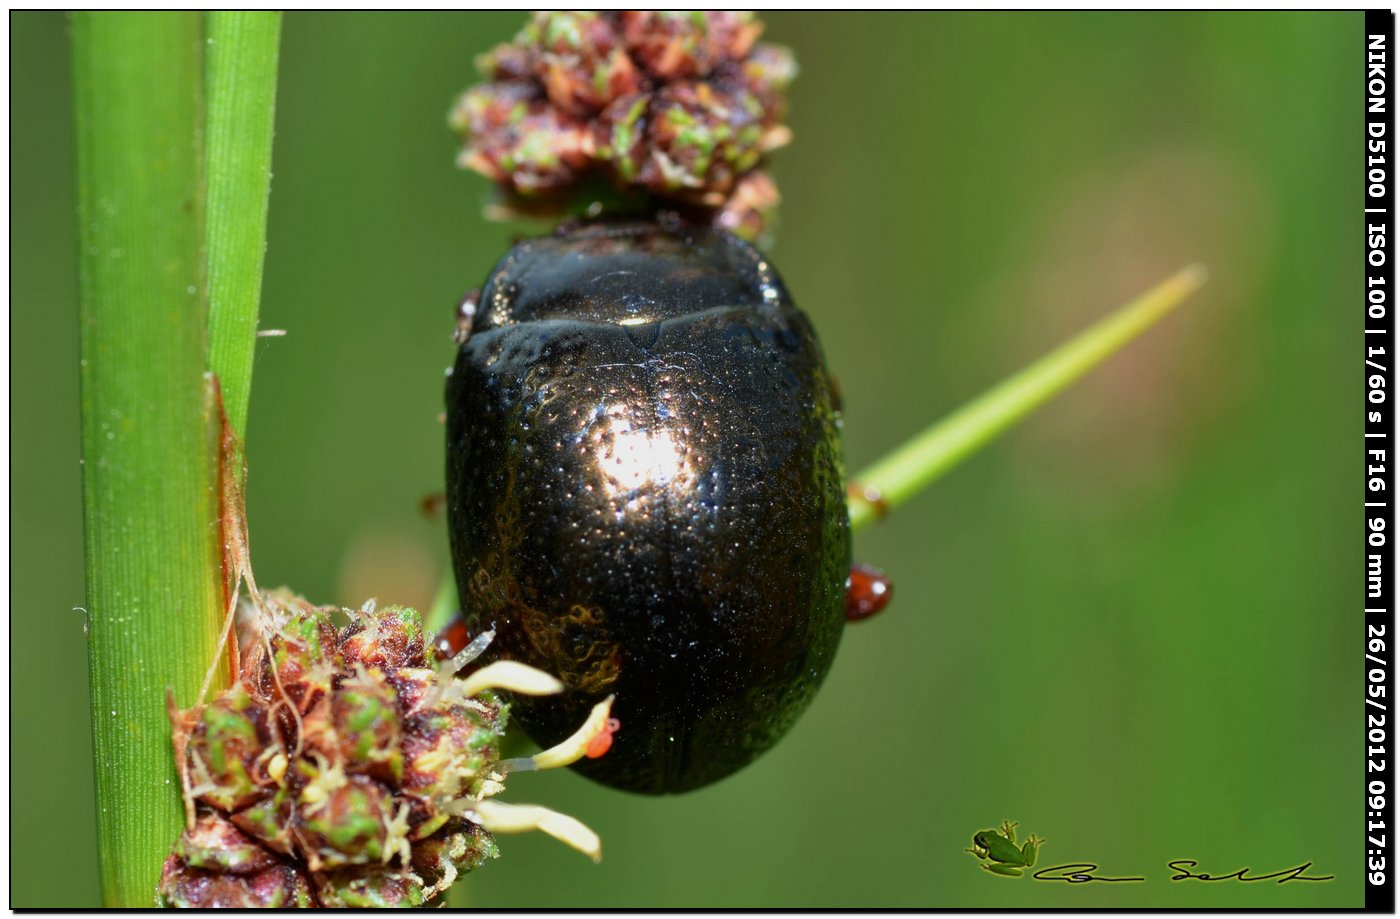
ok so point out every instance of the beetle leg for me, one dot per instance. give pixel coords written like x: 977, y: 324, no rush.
x: 835, y: 388
x: 868, y: 590
x: 453, y: 637
x: 868, y: 494
x: 466, y: 312
x: 432, y: 504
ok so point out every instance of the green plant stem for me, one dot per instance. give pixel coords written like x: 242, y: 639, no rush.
x: 928, y: 456
x: 150, y: 499
x: 241, y: 85
x: 444, y: 604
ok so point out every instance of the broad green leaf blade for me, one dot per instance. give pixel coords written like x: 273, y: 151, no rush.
x: 150, y: 506
x: 241, y: 82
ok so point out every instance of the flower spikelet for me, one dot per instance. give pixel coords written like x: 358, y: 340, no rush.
x: 348, y: 765
x: 675, y: 109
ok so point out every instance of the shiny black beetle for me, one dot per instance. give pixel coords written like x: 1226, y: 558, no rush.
x: 645, y: 493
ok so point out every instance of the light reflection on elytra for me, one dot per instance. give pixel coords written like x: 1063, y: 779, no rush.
x: 633, y: 459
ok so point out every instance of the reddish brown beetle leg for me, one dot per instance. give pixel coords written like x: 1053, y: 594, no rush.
x: 868, y: 591
x: 453, y: 637
x: 602, y: 741
x: 466, y: 312
x: 868, y: 494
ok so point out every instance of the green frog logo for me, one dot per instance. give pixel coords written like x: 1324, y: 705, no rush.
x: 998, y: 852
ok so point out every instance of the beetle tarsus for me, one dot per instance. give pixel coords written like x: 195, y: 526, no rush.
x: 466, y: 313
x: 868, y: 590
x: 869, y: 494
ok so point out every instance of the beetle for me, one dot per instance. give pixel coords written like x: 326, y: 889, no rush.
x: 645, y: 493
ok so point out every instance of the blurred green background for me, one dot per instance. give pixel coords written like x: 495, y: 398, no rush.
x: 1130, y: 625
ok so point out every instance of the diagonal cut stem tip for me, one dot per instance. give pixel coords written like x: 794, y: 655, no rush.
x: 921, y: 461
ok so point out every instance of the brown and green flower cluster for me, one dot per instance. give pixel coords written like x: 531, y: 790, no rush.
x: 349, y: 766
x: 677, y: 107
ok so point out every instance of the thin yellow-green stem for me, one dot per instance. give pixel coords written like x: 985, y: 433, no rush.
x: 150, y: 464
x: 241, y: 87
x: 928, y: 456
